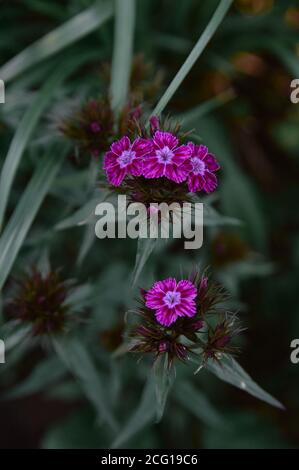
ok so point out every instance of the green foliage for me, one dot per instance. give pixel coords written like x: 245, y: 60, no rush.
x: 240, y: 109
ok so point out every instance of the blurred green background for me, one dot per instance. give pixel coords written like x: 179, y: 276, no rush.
x: 237, y: 100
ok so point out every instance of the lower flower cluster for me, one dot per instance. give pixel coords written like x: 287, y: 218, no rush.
x: 184, y: 318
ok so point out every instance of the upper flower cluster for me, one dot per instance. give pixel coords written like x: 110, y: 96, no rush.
x: 162, y: 156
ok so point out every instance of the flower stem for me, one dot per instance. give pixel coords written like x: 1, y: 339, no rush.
x: 199, y: 47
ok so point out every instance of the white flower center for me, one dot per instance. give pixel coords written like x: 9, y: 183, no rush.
x: 172, y: 298
x: 164, y: 155
x: 126, y: 158
x: 198, y: 166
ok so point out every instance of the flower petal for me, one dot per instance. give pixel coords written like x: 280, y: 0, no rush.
x: 110, y: 159
x: 116, y: 175
x: 181, y: 154
x: 135, y: 168
x: 187, y: 289
x: 142, y: 147
x: 166, y: 316
x: 152, y: 168
x: 201, y: 151
x: 195, y: 183
x: 169, y: 284
x: 177, y: 173
x: 210, y: 182
x: 162, y: 139
x: 119, y: 146
x: 211, y: 162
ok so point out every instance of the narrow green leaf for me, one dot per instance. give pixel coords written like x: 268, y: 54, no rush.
x: 142, y: 416
x: 20, y: 222
x: 287, y: 57
x: 25, y: 131
x: 83, y: 215
x: 163, y: 379
x: 197, y: 50
x: 205, y: 108
x: 43, y: 375
x: 122, y: 53
x: 87, y: 242
x: 58, y: 39
x: 197, y: 403
x: 43, y: 262
x: 80, y: 217
x: 76, y: 358
x: 230, y: 371
x: 17, y: 336
x: 79, y: 297
x: 212, y: 218
x: 145, y: 246
x: 17, y: 354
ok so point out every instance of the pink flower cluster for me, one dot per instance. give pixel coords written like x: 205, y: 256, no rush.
x: 162, y: 156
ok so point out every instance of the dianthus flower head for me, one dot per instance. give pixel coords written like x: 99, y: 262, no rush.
x: 174, y: 320
x: 167, y: 158
x: 40, y: 301
x: 90, y: 127
x: 171, y: 299
x: 151, y: 164
x: 125, y: 158
x: 220, y: 337
x: 203, y: 165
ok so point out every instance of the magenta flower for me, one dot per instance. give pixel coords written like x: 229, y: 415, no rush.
x: 167, y: 159
x: 125, y: 158
x: 204, y: 164
x: 171, y: 299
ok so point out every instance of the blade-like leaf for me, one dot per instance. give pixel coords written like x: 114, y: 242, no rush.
x: 230, y: 371
x: 79, y: 297
x: 83, y: 215
x: 144, y: 249
x: 197, y: 50
x: 26, y: 210
x: 28, y: 124
x: 22, y: 136
x: 76, y: 358
x: 44, y: 374
x: 122, y: 53
x: 205, y: 108
x: 197, y: 403
x: 87, y: 242
x: 58, y: 39
x: 142, y: 416
x: 163, y: 378
x: 17, y: 336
